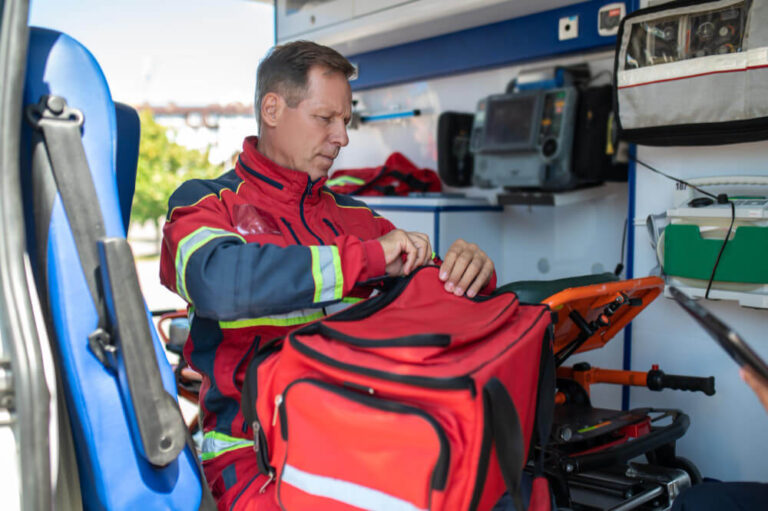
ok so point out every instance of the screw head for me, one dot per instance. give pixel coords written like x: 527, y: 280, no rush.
x: 56, y: 104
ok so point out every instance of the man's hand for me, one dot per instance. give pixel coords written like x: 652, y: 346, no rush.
x: 414, y: 245
x: 465, y: 268
x: 758, y: 384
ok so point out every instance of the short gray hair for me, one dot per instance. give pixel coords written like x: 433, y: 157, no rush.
x: 286, y: 67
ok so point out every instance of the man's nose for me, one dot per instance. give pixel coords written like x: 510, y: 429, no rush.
x: 339, y: 134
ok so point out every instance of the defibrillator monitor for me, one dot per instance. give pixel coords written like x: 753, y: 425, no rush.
x: 510, y: 122
x: 524, y: 139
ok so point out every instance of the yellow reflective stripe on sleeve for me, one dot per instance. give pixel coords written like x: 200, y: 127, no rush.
x: 290, y: 319
x: 352, y: 299
x: 188, y: 245
x: 326, y: 273
x: 339, y: 277
x: 215, y: 444
x: 317, y: 274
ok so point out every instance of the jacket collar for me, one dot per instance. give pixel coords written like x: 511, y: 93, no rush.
x: 273, y: 179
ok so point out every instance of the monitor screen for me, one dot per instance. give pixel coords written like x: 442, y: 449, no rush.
x: 509, y: 121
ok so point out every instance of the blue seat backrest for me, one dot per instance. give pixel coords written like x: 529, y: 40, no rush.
x: 127, y: 156
x: 113, y: 473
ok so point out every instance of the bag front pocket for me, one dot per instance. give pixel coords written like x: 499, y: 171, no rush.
x: 347, y: 449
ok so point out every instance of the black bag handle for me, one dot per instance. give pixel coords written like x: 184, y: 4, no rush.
x: 508, y: 436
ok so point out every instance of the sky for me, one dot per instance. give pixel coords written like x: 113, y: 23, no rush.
x: 189, y: 52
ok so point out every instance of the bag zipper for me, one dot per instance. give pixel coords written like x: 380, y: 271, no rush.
x: 409, y: 341
x: 439, y: 473
x: 463, y: 382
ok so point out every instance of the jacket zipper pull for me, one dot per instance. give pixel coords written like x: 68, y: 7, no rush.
x: 278, y: 402
x: 309, y: 186
x: 270, y: 479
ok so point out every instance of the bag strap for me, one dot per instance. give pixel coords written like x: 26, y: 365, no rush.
x: 370, y: 183
x: 508, y: 437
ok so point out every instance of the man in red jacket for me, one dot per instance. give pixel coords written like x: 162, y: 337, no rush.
x: 266, y: 247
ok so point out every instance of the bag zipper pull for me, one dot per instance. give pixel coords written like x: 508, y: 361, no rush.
x: 270, y: 479
x: 278, y: 402
x: 256, y: 426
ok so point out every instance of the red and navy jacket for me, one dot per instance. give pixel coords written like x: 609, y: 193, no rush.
x: 256, y: 252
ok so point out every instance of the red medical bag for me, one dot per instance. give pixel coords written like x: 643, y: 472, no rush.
x: 398, y: 176
x: 414, y: 399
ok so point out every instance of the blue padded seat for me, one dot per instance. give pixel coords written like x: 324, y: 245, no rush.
x: 113, y: 473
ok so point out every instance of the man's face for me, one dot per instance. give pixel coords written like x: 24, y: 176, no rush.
x: 309, y: 136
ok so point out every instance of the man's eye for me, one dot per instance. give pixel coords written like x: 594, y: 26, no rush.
x: 323, y: 118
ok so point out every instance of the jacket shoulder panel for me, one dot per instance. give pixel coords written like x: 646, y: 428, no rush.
x: 347, y: 202
x: 195, y: 190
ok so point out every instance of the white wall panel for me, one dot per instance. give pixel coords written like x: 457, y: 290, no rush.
x: 728, y: 437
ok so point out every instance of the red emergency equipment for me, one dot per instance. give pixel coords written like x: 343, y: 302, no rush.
x: 398, y: 176
x: 414, y: 399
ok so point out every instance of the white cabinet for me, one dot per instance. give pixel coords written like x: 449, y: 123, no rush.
x: 356, y: 26
x: 297, y: 17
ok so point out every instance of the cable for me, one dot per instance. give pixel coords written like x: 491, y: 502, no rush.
x: 620, y: 266
x: 720, y: 198
x: 722, y: 248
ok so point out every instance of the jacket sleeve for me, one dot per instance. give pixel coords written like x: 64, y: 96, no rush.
x: 211, y: 266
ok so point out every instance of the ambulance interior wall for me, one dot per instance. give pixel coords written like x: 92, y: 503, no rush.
x: 538, y: 242
x: 728, y: 436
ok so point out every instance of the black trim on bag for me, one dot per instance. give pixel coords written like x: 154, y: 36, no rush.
x: 453, y: 383
x: 365, y: 308
x: 712, y: 133
x: 408, y: 341
x: 439, y: 473
x: 485, y: 455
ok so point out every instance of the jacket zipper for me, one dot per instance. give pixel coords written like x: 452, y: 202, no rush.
x: 439, y: 473
x: 451, y: 383
x: 308, y: 193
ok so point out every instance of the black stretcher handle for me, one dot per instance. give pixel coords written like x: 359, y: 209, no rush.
x: 657, y: 380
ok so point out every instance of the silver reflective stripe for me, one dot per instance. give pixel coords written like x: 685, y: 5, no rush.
x: 343, y: 491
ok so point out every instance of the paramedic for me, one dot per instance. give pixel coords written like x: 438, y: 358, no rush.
x: 266, y: 247
x: 733, y: 495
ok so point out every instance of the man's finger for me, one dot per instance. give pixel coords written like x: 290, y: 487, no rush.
x: 447, y: 267
x: 482, y: 279
x: 425, y: 249
x: 459, y: 267
x: 411, y: 252
x: 470, y: 273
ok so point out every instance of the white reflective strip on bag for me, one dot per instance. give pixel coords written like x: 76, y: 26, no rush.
x: 692, y: 68
x: 344, y: 491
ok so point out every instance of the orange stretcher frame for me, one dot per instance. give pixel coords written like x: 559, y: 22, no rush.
x: 591, y: 301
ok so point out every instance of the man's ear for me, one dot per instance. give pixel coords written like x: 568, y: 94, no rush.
x: 272, y: 106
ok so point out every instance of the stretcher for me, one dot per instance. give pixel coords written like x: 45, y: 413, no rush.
x: 588, y: 459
